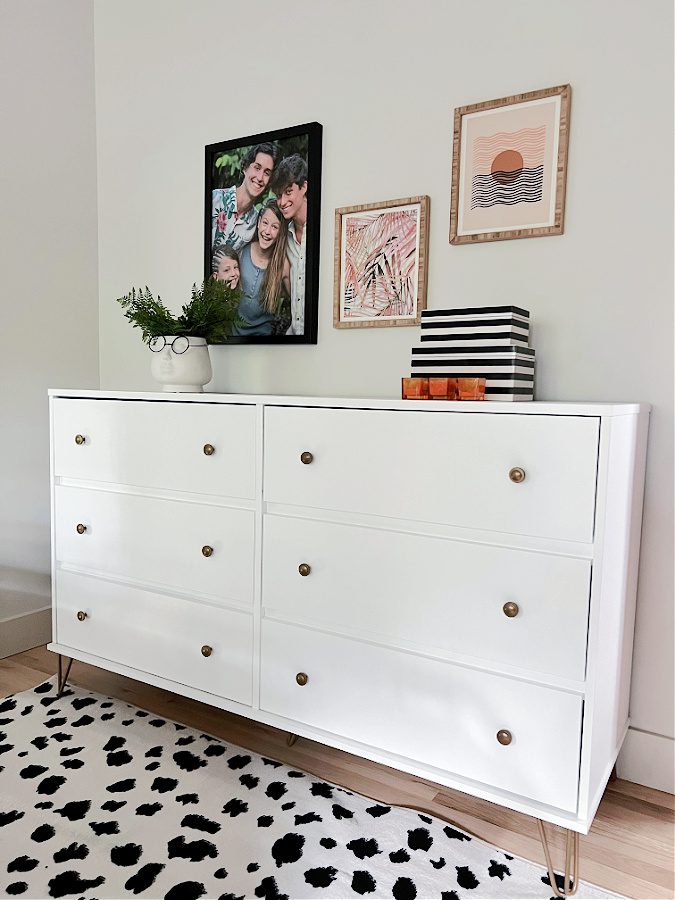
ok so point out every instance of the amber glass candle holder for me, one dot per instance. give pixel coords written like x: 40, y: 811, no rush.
x: 442, y: 388
x: 414, y: 388
x: 471, y: 388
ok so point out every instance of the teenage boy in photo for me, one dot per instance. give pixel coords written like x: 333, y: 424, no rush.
x: 233, y: 212
x: 290, y: 186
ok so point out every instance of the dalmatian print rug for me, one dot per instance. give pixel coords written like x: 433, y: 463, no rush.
x: 99, y: 799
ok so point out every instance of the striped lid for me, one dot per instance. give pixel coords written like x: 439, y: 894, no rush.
x: 476, y: 311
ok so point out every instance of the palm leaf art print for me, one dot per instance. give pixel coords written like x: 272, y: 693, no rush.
x: 380, y: 267
x: 381, y: 263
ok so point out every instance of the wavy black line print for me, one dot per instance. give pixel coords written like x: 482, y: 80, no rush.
x: 507, y: 188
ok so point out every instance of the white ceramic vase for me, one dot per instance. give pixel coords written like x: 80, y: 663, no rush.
x: 185, y: 372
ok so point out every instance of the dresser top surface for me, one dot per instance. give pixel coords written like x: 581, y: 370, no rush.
x: 536, y: 407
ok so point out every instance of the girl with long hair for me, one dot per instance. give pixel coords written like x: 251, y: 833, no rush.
x: 264, y: 274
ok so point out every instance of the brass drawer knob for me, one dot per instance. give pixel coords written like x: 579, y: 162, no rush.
x: 209, y: 449
x: 79, y: 439
x: 81, y: 616
x: 504, y: 737
x: 304, y: 569
x: 207, y: 551
x: 517, y: 475
x: 206, y: 650
x: 80, y: 528
x: 510, y: 610
x: 302, y: 679
x: 306, y: 458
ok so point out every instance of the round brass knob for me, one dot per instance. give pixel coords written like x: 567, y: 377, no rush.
x: 306, y: 458
x: 302, y: 679
x: 510, y: 610
x: 206, y: 650
x: 81, y: 616
x: 504, y: 737
x: 207, y: 551
x: 80, y: 528
x: 79, y: 439
x: 209, y: 449
x: 517, y: 475
x: 304, y: 569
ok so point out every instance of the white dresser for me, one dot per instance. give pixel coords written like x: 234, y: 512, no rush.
x: 447, y: 588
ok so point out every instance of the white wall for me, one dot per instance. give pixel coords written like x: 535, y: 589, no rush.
x: 383, y: 78
x: 48, y: 275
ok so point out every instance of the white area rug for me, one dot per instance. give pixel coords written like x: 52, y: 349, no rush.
x: 99, y: 799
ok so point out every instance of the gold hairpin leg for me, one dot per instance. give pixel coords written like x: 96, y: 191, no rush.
x: 571, y: 873
x: 291, y: 739
x: 62, y: 677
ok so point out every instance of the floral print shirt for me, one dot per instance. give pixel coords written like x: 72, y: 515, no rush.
x: 227, y: 225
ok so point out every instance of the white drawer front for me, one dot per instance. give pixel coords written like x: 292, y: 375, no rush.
x: 157, y: 634
x: 437, y: 593
x: 157, y: 444
x: 157, y: 541
x: 432, y: 712
x: 450, y: 468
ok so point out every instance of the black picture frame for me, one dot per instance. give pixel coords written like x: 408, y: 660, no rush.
x: 224, y: 171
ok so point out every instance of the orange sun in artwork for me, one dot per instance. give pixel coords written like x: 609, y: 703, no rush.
x: 506, y: 166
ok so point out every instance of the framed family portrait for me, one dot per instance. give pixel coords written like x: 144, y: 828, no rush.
x: 381, y: 263
x: 509, y: 167
x: 261, y: 231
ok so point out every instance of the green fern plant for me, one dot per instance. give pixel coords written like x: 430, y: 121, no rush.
x: 210, y: 314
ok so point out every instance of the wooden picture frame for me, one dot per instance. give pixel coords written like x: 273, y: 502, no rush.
x: 247, y: 180
x: 381, y: 252
x: 509, y: 167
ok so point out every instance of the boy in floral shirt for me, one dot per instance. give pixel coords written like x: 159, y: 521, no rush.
x: 234, y: 216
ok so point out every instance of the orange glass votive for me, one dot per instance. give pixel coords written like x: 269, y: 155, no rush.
x: 438, y: 388
x: 471, y: 388
x: 414, y: 388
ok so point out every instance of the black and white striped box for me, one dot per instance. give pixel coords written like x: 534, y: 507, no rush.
x: 508, y: 372
x: 502, y: 326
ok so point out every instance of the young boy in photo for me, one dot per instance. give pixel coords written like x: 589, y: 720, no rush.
x: 225, y: 265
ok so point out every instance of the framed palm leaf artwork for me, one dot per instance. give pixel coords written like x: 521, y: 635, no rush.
x: 381, y: 263
x: 509, y: 167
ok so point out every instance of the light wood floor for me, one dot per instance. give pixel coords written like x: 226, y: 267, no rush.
x: 630, y: 848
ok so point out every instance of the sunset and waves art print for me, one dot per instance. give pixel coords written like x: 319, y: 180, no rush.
x: 509, y: 167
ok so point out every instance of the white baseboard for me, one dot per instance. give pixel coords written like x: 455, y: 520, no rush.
x: 22, y: 632
x: 648, y: 759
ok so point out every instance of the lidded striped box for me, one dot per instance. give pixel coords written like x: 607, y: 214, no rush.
x: 502, y: 326
x: 478, y: 342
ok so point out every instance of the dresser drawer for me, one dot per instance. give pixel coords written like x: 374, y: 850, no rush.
x: 439, y: 594
x: 450, y: 468
x: 157, y: 634
x: 162, y: 542
x: 429, y: 711
x: 157, y: 444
